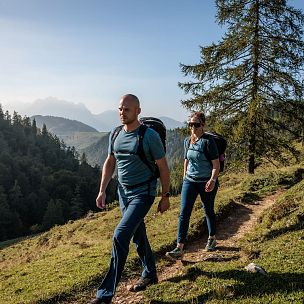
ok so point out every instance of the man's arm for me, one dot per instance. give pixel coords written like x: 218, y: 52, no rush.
x: 164, y: 203
x: 107, y: 172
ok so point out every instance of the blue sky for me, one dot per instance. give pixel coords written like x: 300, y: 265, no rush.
x: 94, y: 51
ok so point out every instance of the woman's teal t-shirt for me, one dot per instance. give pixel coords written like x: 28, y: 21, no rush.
x: 199, y: 166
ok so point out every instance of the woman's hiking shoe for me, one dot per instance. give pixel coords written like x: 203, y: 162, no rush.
x: 176, y: 254
x: 211, y: 244
x: 142, y: 284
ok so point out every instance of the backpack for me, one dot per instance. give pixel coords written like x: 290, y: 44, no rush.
x: 221, y: 144
x: 146, y: 122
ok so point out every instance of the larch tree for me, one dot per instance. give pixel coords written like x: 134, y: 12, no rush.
x: 251, y: 81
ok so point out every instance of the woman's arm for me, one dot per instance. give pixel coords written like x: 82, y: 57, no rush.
x: 185, y: 166
x: 214, y: 174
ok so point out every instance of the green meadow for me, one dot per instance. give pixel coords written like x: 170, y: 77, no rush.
x: 72, y: 258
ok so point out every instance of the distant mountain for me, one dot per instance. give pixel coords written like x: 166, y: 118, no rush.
x: 60, y: 125
x: 72, y: 132
x: 171, y: 123
x: 53, y: 106
x: 110, y: 119
x: 103, y: 122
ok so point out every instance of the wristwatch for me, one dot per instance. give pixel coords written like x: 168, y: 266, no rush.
x: 166, y: 194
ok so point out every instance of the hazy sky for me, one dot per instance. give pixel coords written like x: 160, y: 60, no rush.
x: 94, y: 51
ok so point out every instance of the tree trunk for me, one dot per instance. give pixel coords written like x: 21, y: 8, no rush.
x: 251, y: 164
x: 253, y: 110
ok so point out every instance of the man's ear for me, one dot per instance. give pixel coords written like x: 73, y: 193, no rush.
x: 138, y: 111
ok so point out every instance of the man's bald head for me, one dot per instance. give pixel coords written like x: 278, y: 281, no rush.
x: 131, y: 98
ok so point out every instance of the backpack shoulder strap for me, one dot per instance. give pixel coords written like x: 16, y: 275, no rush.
x: 205, y: 138
x: 114, y: 136
x: 140, y: 148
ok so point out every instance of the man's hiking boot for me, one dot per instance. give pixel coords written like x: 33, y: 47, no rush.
x: 142, y: 284
x: 211, y: 244
x: 176, y: 254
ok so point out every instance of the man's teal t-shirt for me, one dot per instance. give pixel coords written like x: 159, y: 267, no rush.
x: 199, y: 167
x: 131, y: 169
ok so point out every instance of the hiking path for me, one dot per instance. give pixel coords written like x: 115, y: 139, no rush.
x: 239, y: 221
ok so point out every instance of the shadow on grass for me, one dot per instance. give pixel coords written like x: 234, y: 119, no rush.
x: 226, y: 248
x: 247, y: 284
x: 250, y: 197
x: 278, y: 232
x: 211, y: 258
x: 12, y: 242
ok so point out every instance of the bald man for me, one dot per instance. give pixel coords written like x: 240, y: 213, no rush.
x: 136, y: 191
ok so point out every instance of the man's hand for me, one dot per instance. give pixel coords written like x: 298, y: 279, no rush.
x: 163, y: 205
x: 101, y: 200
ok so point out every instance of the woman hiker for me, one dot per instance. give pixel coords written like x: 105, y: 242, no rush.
x: 201, y: 169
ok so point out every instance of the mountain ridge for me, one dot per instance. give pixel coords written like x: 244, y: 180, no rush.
x: 61, y: 125
x: 103, y: 122
x: 93, y: 143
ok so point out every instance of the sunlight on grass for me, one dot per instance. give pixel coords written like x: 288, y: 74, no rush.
x: 74, y: 256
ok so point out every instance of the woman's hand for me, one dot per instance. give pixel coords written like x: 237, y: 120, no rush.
x: 210, y: 185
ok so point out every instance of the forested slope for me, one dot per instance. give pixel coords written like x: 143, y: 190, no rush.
x: 42, y: 182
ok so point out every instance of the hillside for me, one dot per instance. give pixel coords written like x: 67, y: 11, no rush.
x: 42, y: 182
x: 60, y: 125
x: 94, y: 144
x: 82, y: 140
x: 68, y: 261
x: 97, y: 151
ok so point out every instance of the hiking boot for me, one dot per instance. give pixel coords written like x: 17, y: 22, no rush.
x: 176, y: 254
x: 142, y: 284
x: 211, y: 244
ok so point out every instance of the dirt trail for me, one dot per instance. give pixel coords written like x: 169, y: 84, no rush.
x: 229, y: 231
x: 240, y: 220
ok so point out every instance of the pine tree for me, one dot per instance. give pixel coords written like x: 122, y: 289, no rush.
x: 8, y: 117
x: 44, y: 131
x: 83, y: 159
x: 53, y: 214
x: 10, y: 223
x: 15, y: 197
x: 34, y: 127
x: 252, y: 78
x: 1, y: 112
x: 77, y: 204
x: 17, y: 119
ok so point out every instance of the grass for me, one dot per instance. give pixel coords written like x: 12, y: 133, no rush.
x: 277, y: 245
x: 73, y: 257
